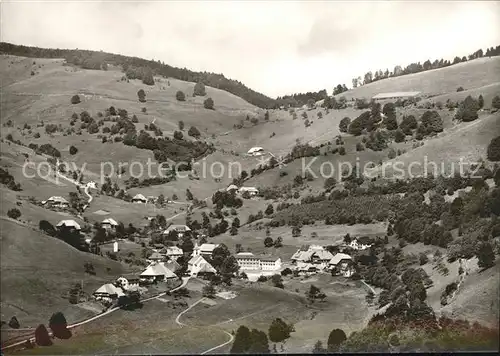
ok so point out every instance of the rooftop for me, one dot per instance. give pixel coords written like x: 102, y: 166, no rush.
x: 397, y: 94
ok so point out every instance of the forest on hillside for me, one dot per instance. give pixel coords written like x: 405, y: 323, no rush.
x: 99, y: 60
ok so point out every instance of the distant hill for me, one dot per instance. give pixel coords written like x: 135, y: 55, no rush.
x: 95, y: 60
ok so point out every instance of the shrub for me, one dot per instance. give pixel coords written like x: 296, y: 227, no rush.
x: 342, y: 150
x: 75, y: 99
x: 360, y: 147
x: 460, y: 89
x: 42, y: 337
x: 208, y: 104
x: 143, y: 110
x: 180, y: 96
x: 142, y: 96
x: 495, y: 102
x: 399, y: 136
x: 178, y: 135
x: 73, y: 150
x: 59, y: 325
x: 14, y: 323
x: 194, y: 132
x: 494, y: 149
x: 344, y: 124
x: 408, y: 124
x: 467, y: 110
x: 431, y: 122
x: 14, y: 213
x: 199, y: 89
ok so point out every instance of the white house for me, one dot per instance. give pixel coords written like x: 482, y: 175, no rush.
x: 251, y: 190
x: 157, y: 271
x: 361, y: 243
x: 203, y: 250
x: 198, y: 265
x: 108, y: 292
x: 256, y: 151
x: 180, y: 229
x: 71, y: 224
x: 342, y: 264
x: 249, y: 263
x: 174, y: 252
x: 232, y: 187
x: 109, y: 224
x: 128, y: 282
x: 140, y: 199
x: 56, y: 202
x: 396, y: 95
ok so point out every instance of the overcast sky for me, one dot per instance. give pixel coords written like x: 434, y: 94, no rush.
x: 273, y: 47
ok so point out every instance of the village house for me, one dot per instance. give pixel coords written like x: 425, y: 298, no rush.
x: 156, y: 257
x: 255, y: 151
x: 203, y: 250
x: 129, y: 282
x: 108, y: 293
x: 249, y: 262
x: 172, y: 265
x: 109, y: 224
x: 174, y: 252
x: 342, y: 264
x: 157, y: 271
x: 139, y: 199
x: 68, y: 224
x: 396, y: 95
x: 232, y: 188
x: 361, y: 243
x: 56, y: 202
x: 252, y: 191
x: 313, y: 255
x: 198, y: 266
x: 180, y: 229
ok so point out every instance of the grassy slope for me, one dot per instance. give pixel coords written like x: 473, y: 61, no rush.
x: 38, y: 269
x: 469, y: 75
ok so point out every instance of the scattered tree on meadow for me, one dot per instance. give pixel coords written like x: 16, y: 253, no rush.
x: 59, y: 326
x: 142, y: 95
x: 494, y: 149
x: 42, y: 337
x: 266, y: 116
x: 148, y: 77
x: 485, y: 255
x: 194, y: 132
x: 14, y: 323
x: 335, y: 339
x: 199, y: 89
x: 241, y: 342
x: 467, y: 111
x: 209, y: 291
x: 279, y: 331
x: 180, y: 96
x: 178, y: 135
x: 269, y: 210
x: 480, y: 101
x: 495, y: 102
x: 189, y: 195
x: 344, y: 124
x: 14, y: 213
x: 208, y: 104
x: 75, y: 99
x: 268, y: 242
x: 181, y: 125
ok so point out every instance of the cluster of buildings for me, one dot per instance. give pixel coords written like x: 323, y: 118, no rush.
x: 310, y: 259
x: 252, y: 191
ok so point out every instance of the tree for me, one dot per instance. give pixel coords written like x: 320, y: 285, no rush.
x: 180, y: 96
x: 42, y: 337
x: 408, y: 124
x: 178, y: 135
x: 241, y: 342
x: 495, y: 102
x: 467, y: 111
x: 318, y: 346
x: 14, y: 213
x: 259, y: 344
x: 277, y: 281
x: 209, y: 291
x: 335, y: 339
x: 59, y: 325
x: 208, y: 104
x: 344, y: 124
x: 269, y: 210
x: 494, y: 149
x: 75, y: 99
x: 266, y: 116
x: 194, y: 132
x: 181, y: 125
x: 485, y: 255
x: 399, y: 136
x: 480, y: 102
x: 423, y: 259
x: 14, y: 323
x: 199, y: 89
x: 268, y: 242
x: 142, y: 95
x: 278, y: 242
x: 148, y: 77
x: 73, y: 150
x: 296, y: 231
x: 189, y: 195
x: 279, y: 331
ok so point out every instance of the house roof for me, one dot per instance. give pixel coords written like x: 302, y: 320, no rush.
x: 178, y: 228
x: 248, y: 189
x: 172, y: 265
x: 109, y: 289
x: 110, y: 221
x: 231, y: 187
x: 397, y: 94
x: 323, y: 255
x: 302, y: 255
x: 130, y: 276
x: 69, y: 223
x: 158, y: 269
x: 270, y: 259
x: 156, y: 256
x: 246, y: 255
x: 255, y: 149
x: 208, y: 247
x: 57, y: 199
x: 339, y: 257
x: 174, y: 250
x: 365, y: 240
x: 139, y: 197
